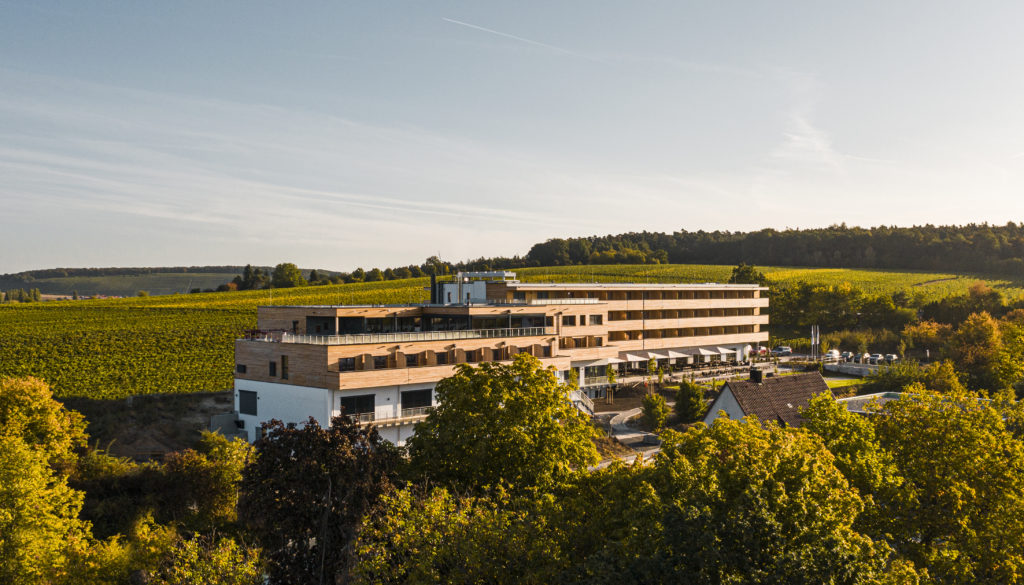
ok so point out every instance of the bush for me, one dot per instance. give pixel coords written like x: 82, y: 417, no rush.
x: 655, y: 411
x: 690, y: 405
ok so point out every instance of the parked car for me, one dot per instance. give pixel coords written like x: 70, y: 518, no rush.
x: 864, y: 358
x: 876, y: 358
x: 831, y: 355
x: 782, y: 350
x: 848, y: 356
x: 891, y: 358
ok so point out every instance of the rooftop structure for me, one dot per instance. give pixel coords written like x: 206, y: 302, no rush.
x: 380, y: 363
x: 773, y: 399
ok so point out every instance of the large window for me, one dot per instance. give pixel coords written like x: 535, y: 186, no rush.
x: 284, y: 367
x: 346, y: 364
x: 412, y: 360
x: 272, y: 369
x: 568, y: 320
x: 416, y: 398
x: 247, y: 402
x: 380, y: 362
x: 354, y: 405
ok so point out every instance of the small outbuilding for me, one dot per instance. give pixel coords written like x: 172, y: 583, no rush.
x: 775, y: 398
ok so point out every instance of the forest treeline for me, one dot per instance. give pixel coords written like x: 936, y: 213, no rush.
x: 967, y: 248
x: 973, y: 248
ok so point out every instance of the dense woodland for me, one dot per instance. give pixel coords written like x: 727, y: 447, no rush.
x: 496, y: 487
x: 972, y: 248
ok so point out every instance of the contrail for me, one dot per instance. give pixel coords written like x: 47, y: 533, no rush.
x: 513, y: 37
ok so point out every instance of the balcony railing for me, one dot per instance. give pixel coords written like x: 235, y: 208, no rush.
x: 407, y: 415
x: 596, y: 381
x: 570, y: 301
x: 364, y: 338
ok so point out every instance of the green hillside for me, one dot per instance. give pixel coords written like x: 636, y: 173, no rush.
x: 183, y: 343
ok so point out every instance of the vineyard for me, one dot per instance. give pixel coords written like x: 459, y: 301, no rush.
x: 184, y: 343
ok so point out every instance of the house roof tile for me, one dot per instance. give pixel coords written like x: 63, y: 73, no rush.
x: 778, y: 398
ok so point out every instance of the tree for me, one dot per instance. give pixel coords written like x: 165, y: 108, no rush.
x: 314, y: 277
x: 747, y: 274
x: 38, y: 514
x: 747, y: 504
x: 690, y: 404
x: 962, y: 514
x: 306, y: 492
x: 29, y: 412
x: 200, y: 487
x: 287, y: 275
x: 609, y: 372
x: 655, y: 411
x: 440, y: 538
x: 374, y: 275
x: 38, y: 511
x: 203, y: 561
x: 859, y: 455
x: 502, y: 425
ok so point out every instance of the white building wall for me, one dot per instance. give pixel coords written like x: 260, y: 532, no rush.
x: 727, y: 402
x: 285, y: 402
x: 295, y: 404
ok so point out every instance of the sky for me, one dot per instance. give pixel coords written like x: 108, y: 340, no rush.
x: 345, y: 134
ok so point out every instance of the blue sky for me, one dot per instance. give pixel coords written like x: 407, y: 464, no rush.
x: 348, y: 134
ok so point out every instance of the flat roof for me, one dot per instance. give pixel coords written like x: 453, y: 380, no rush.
x: 634, y: 285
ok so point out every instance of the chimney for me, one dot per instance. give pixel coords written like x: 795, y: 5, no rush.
x: 755, y: 375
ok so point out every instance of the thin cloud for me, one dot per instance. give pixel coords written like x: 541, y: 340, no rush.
x: 520, y: 39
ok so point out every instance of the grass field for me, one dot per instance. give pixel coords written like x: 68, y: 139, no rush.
x: 183, y: 343
x: 165, y: 283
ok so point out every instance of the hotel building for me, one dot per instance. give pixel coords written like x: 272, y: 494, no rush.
x: 380, y: 363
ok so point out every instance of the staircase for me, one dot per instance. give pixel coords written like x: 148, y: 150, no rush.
x: 581, y: 401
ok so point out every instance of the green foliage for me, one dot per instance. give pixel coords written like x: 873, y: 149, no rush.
x: 655, y: 411
x: 746, y: 504
x: 29, y: 413
x: 747, y: 274
x: 38, y: 514
x: 200, y: 561
x: 690, y: 404
x: 306, y: 492
x: 852, y: 439
x: 501, y: 425
x: 439, y: 538
x: 961, y: 514
x: 287, y: 275
x: 200, y: 487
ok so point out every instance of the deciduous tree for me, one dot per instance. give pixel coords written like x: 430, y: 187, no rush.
x: 306, y: 491
x: 501, y: 424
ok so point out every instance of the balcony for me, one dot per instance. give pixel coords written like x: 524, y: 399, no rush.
x: 367, y: 338
x: 407, y: 416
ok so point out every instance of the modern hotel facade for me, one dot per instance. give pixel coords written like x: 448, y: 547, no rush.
x: 380, y: 363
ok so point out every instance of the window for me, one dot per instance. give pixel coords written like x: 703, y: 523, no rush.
x: 273, y: 369
x: 583, y: 320
x: 240, y: 368
x: 380, y: 362
x: 295, y: 326
x: 519, y: 296
x: 542, y: 294
x: 357, y: 404
x: 549, y: 321
x: 412, y: 360
x: 597, y: 319
x: 284, y: 367
x: 346, y: 364
x: 568, y: 320
x: 545, y: 351
x: 442, y: 358
x: 416, y: 398
x: 247, y: 402
x: 473, y: 356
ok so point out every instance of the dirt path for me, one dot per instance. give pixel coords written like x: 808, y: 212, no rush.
x: 927, y: 282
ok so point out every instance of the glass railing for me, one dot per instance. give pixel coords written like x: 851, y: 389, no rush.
x: 364, y: 338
